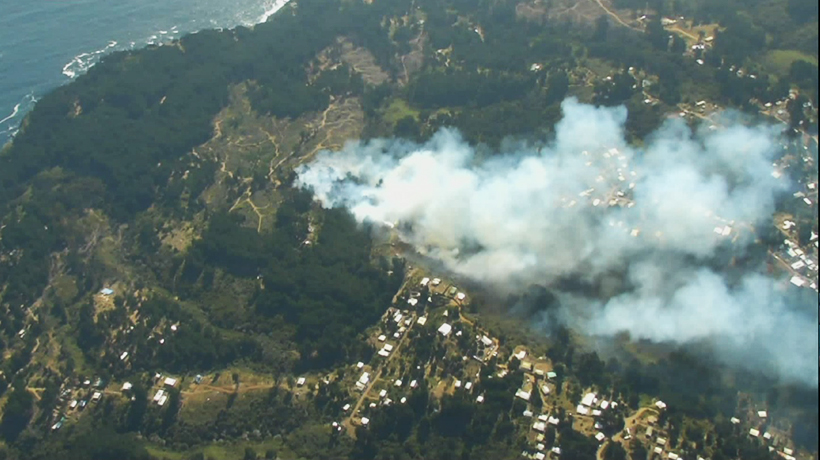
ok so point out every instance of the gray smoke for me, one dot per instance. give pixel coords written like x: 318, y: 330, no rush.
x: 586, y: 205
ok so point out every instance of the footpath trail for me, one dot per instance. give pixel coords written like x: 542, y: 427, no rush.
x: 615, y: 16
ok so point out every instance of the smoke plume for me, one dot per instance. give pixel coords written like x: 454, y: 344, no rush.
x: 586, y: 205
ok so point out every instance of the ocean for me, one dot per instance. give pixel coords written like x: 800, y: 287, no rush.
x: 47, y: 43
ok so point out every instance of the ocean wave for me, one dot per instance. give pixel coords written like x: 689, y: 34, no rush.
x: 82, y: 62
x: 28, y: 101
x: 270, y: 10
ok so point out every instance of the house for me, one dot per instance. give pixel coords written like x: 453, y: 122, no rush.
x: 96, y: 396
x: 159, y: 395
x: 600, y: 436
x: 762, y: 414
x: 170, y: 382
x: 468, y: 385
x: 106, y: 291
x: 661, y: 441
x: 582, y: 410
x: 445, y: 329
x: 486, y: 341
x: 365, y: 421
x: 525, y: 395
x: 383, y: 393
x: 162, y: 400
x: 479, y: 399
x: 588, y: 399
x: 127, y: 386
x: 346, y: 407
x: 397, y: 383
x: 382, y: 338
x: 424, y: 281
x: 364, y: 378
x: 300, y: 381
x: 527, y: 413
x: 539, y: 426
x: 413, y: 384
x: 460, y: 296
x: 422, y: 320
x: 388, y: 347
x: 660, y: 405
x: 754, y: 432
x: 384, y: 353
x: 734, y: 420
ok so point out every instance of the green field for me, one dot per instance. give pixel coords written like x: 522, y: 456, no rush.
x: 778, y: 62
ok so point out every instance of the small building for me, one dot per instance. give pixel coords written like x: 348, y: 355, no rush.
x: 460, y: 296
x: 661, y: 441
x: 445, y: 329
x: 762, y: 414
x: 539, y: 426
x: 479, y: 399
x: 525, y: 395
x: 382, y: 338
x: 527, y: 413
x: 424, y: 281
x: 127, y: 386
x: 422, y: 320
x: 660, y: 405
x: 734, y: 420
x: 365, y: 421
x: 96, y: 396
x: 300, y: 381
x: 346, y: 407
x: 170, y: 382
x: 600, y: 436
x: 413, y: 384
x: 754, y: 432
x: 107, y: 291
x: 397, y: 382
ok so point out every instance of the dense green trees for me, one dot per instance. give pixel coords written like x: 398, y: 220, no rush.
x: 16, y: 412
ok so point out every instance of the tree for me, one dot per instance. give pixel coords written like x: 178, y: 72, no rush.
x: 614, y: 451
x: 16, y: 413
x: 601, y: 28
x: 250, y: 454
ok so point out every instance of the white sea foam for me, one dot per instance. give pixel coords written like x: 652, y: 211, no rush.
x: 13, y: 114
x: 271, y: 10
x: 84, y: 61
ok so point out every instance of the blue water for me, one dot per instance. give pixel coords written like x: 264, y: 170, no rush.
x: 46, y: 43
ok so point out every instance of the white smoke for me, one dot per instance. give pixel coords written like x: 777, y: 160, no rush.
x: 586, y: 205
